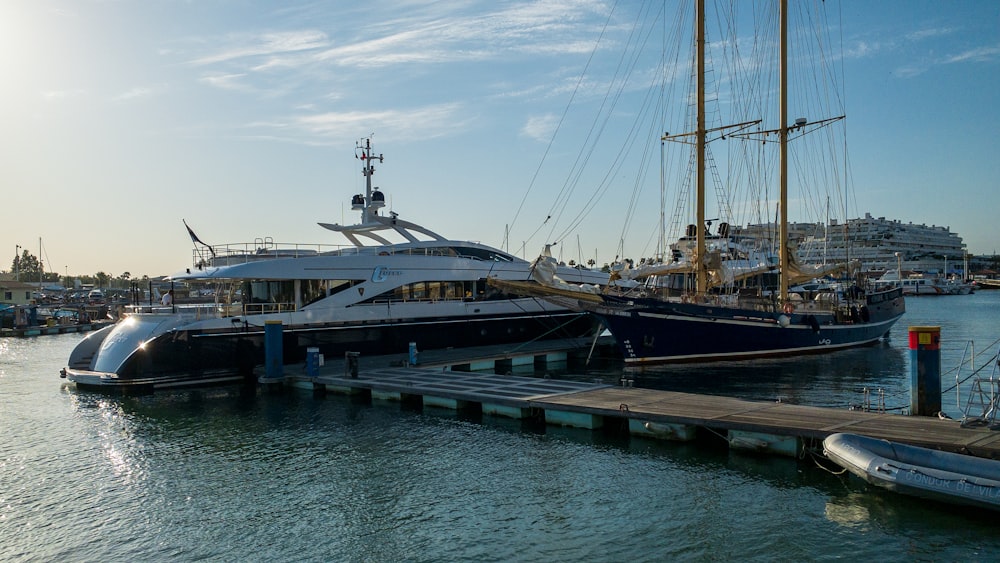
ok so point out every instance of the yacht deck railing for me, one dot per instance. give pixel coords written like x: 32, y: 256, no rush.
x: 241, y: 253
x: 212, y: 310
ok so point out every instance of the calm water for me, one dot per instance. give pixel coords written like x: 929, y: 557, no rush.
x: 232, y: 475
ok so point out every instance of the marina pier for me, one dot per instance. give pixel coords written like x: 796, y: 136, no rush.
x: 444, y: 379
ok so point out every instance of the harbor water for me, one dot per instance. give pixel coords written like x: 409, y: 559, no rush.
x: 235, y: 474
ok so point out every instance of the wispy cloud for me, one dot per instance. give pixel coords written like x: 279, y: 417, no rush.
x: 266, y: 44
x: 226, y: 81
x: 138, y: 92
x: 910, y: 70
x: 324, y: 63
x: 426, y: 34
x: 540, y: 127
x: 928, y: 33
x: 862, y: 49
x: 922, y: 47
x: 55, y: 95
x: 549, y: 27
x: 976, y: 55
x: 979, y: 55
x: 424, y: 122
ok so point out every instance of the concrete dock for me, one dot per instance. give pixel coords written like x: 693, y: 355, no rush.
x: 446, y: 379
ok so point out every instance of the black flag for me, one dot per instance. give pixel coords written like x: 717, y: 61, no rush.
x: 195, y: 239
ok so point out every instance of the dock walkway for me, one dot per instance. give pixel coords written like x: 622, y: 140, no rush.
x: 44, y: 330
x: 780, y: 419
x: 442, y: 379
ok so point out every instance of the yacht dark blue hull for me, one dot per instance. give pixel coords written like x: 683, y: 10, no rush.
x: 182, y: 358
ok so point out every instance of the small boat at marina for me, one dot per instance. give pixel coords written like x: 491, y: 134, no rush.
x: 945, y: 476
x: 919, y: 283
x: 987, y: 283
x: 375, y: 296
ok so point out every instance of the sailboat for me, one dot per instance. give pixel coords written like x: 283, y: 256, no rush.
x: 656, y: 325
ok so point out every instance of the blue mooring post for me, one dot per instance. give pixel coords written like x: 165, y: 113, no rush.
x: 273, y: 356
x: 925, y: 370
x: 312, y: 362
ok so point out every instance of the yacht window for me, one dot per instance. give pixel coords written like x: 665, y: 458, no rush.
x: 483, y: 254
x: 431, y: 291
x: 266, y: 296
x: 415, y: 291
x: 313, y: 290
x: 336, y: 286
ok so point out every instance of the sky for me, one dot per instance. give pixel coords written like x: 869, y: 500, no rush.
x: 123, y: 118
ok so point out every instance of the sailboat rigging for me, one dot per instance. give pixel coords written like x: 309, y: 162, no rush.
x: 652, y: 324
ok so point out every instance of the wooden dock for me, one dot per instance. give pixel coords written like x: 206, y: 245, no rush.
x: 778, y: 419
x: 443, y: 379
x: 44, y: 330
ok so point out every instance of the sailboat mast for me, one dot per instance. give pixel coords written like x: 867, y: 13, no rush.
x: 41, y: 266
x: 701, y: 279
x: 783, y: 137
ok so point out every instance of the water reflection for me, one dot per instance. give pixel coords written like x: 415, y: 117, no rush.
x: 848, y: 512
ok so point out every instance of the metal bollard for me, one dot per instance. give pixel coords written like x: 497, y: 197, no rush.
x: 413, y: 353
x: 351, y: 364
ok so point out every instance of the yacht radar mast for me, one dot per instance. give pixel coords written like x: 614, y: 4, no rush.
x: 370, y: 202
x: 373, y: 198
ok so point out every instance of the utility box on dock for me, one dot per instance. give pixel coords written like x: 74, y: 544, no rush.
x: 312, y: 362
x: 925, y: 370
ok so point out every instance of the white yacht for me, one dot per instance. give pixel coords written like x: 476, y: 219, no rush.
x: 372, y: 298
x: 919, y: 283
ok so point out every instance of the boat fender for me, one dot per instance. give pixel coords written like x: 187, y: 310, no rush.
x: 865, y: 313
x: 812, y: 321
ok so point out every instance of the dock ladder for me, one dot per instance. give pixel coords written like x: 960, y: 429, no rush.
x: 984, y: 400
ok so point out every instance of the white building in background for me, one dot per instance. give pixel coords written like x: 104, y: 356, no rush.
x: 874, y: 242
x: 16, y: 292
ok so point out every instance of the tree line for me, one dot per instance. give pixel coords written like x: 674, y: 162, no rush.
x: 28, y: 268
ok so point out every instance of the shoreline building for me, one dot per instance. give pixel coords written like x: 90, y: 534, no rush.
x: 874, y: 242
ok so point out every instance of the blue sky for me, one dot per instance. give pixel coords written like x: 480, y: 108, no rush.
x: 123, y: 117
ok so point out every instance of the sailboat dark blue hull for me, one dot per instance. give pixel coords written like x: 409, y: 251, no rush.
x: 652, y: 331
